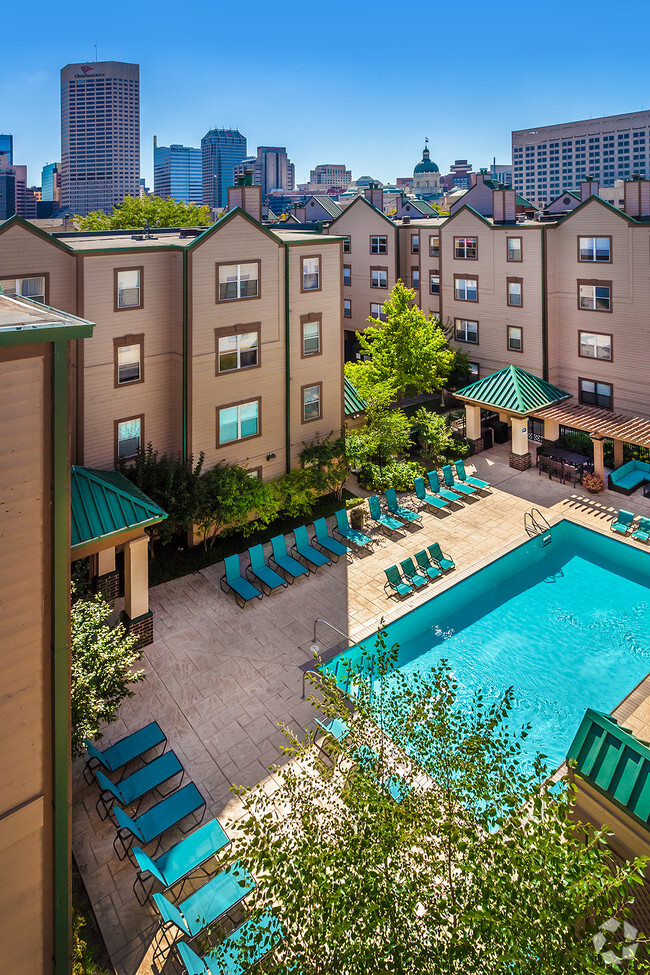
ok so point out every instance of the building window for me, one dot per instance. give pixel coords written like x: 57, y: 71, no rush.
x: 592, y: 345
x: 598, y: 249
x: 238, y: 281
x: 513, y: 248
x: 128, y: 437
x: 238, y: 350
x: 129, y: 356
x: 474, y: 371
x: 466, y: 331
x: 310, y: 274
x: 238, y: 422
x: 466, y: 289
x: 128, y: 288
x: 415, y: 278
x: 311, y: 327
x: 434, y: 245
x: 378, y: 277
x: 434, y: 282
x: 311, y: 402
x: 466, y: 248
x: 379, y: 245
x: 515, y: 292
x: 346, y: 245
x: 515, y: 339
x: 377, y: 311
x: 595, y: 296
x: 347, y: 274
x: 347, y: 308
x: 33, y: 288
x: 595, y: 394
x: 415, y: 243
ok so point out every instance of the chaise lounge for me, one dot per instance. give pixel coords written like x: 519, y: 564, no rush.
x: 629, y: 477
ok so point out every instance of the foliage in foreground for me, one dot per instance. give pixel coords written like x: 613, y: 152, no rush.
x: 133, y: 212
x: 478, y: 869
x: 103, y: 657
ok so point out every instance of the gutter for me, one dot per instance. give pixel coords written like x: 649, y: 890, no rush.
x: 544, y: 309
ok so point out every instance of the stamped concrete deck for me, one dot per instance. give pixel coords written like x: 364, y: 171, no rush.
x: 220, y: 679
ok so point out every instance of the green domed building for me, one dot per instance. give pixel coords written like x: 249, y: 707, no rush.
x: 426, y: 178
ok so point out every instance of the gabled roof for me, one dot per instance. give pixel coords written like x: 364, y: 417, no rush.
x: 327, y: 203
x: 422, y: 207
x: 512, y: 390
x: 16, y: 221
x: 353, y: 404
x: 572, y: 193
x: 593, y: 199
x: 362, y: 200
x: 616, y: 763
x: 105, y: 503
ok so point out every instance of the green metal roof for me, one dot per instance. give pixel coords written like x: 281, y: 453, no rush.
x: 616, y: 763
x: 105, y: 503
x: 513, y: 390
x: 352, y: 401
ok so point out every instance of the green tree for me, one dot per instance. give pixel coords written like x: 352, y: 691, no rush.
x: 479, y: 867
x: 134, y: 212
x: 385, y: 435
x: 103, y: 657
x: 408, y: 352
x: 327, y: 458
x: 232, y: 500
x: 434, y: 435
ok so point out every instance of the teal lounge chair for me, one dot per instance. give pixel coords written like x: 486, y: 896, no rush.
x: 207, y: 904
x: 439, y: 558
x: 152, y: 824
x: 119, y: 754
x: 432, y: 570
x: 423, y: 495
x: 642, y: 530
x: 351, y: 534
x: 239, y: 952
x: 334, y: 727
x: 413, y: 576
x: 290, y: 566
x: 623, y: 522
x: 258, y: 569
x: 395, y: 582
x: 455, y: 485
x: 233, y: 581
x: 406, y: 514
x: 474, y: 481
x: 325, y: 541
x: 130, y: 790
x: 177, y: 863
x: 383, y: 521
x: 434, y: 484
x: 307, y: 552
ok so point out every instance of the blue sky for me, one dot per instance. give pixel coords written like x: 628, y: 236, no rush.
x: 362, y: 85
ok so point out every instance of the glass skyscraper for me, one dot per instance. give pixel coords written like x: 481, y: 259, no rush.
x: 177, y: 172
x: 7, y: 145
x: 49, y: 182
x: 222, y: 150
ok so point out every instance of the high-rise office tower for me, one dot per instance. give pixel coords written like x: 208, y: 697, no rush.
x: 7, y: 187
x: 100, y: 134
x: 271, y: 169
x: 7, y: 146
x: 51, y: 182
x: 222, y: 150
x: 177, y: 172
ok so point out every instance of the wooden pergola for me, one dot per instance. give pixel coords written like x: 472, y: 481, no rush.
x: 600, y: 425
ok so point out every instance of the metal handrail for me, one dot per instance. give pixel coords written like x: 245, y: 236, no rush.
x: 535, y: 523
x: 315, y: 645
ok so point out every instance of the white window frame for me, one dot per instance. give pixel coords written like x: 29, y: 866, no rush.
x: 384, y: 278
x: 227, y: 268
x: 238, y: 336
x: 122, y: 423
x: 461, y: 247
x: 15, y: 290
x: 122, y: 289
x: 317, y: 350
x: 595, y: 346
x: 517, y: 293
x: 121, y: 353
x: 319, y: 400
x: 377, y: 311
x: 460, y: 326
x: 590, y: 244
x: 589, y: 297
x: 432, y: 275
x: 511, y: 347
x: 239, y: 407
x: 376, y: 244
x: 461, y: 289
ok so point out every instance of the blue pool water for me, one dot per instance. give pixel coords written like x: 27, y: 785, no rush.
x: 566, y: 625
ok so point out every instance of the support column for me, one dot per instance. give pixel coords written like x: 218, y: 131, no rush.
x: 520, y: 454
x: 551, y: 430
x: 599, y: 464
x: 618, y: 453
x: 137, y: 616
x: 473, y: 427
x: 106, y: 579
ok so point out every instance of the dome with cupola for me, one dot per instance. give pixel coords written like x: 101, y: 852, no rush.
x: 426, y: 177
x: 426, y: 165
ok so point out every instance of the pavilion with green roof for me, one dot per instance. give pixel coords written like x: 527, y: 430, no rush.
x: 514, y: 394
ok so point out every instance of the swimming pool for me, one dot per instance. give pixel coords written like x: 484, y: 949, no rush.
x: 567, y: 625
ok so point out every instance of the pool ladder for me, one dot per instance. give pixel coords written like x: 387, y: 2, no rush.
x: 537, y: 526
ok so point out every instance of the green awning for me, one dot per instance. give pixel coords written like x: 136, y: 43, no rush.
x: 105, y: 503
x: 353, y: 403
x: 512, y: 390
x: 616, y: 763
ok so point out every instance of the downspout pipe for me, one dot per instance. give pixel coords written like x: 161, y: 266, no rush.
x: 544, y: 309
x: 287, y: 359
x: 185, y: 357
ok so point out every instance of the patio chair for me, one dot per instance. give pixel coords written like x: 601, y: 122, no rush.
x: 383, y: 521
x: 406, y: 514
x: 445, y: 562
x: 290, y: 566
x: 334, y: 728
x: 325, y: 541
x: 642, y: 530
x: 469, y: 478
x: 233, y: 581
x: 459, y: 486
x: 423, y: 495
x: 258, y: 569
x: 239, y: 952
x: 207, y: 904
x: 431, y: 569
x: 121, y: 752
x: 412, y: 574
x: 395, y: 582
x: 152, y: 824
x: 306, y: 551
x: 132, y: 789
x: 623, y: 522
x: 367, y: 758
x: 177, y: 863
x: 442, y: 492
x: 350, y: 534
x: 571, y: 473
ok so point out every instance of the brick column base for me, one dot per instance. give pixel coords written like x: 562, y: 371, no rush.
x: 520, y: 462
x: 141, y: 626
x: 108, y: 585
x: 477, y: 445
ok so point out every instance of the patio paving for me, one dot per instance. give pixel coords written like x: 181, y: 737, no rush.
x: 220, y: 680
